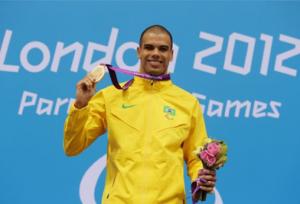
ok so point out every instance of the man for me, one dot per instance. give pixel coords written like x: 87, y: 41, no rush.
x: 153, y: 127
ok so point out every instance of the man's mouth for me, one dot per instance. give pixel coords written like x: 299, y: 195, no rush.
x: 154, y: 63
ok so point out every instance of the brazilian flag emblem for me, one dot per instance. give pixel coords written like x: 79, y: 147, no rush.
x: 169, y: 112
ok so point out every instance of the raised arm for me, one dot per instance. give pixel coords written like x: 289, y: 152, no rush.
x: 86, y: 119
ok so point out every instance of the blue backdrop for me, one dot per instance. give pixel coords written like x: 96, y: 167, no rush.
x: 240, y: 59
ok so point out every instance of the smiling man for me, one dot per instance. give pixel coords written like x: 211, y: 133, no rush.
x: 153, y: 127
x: 155, y: 51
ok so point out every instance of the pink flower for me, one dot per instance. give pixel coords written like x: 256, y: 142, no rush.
x: 214, y: 148
x: 208, y: 158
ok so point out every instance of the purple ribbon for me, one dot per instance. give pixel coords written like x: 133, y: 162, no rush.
x: 196, y: 188
x: 112, y: 73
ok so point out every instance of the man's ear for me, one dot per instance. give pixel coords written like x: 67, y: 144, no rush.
x: 138, y: 51
x: 172, y: 52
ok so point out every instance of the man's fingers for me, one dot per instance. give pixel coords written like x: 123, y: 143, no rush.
x: 86, y: 84
x: 85, y: 89
x: 206, y: 172
x: 208, y: 178
x: 206, y: 185
x: 94, y: 85
x: 91, y: 78
x: 210, y: 182
x: 207, y: 189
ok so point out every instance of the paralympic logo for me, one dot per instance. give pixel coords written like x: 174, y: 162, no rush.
x: 89, y: 181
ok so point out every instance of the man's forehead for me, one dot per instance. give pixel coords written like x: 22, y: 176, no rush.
x: 156, y: 38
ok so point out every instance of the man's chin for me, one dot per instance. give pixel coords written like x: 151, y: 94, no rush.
x: 155, y: 71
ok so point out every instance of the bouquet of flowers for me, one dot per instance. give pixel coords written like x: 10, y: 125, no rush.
x: 213, y: 156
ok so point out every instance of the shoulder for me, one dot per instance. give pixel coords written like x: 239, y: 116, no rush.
x: 183, y: 94
x: 182, y: 99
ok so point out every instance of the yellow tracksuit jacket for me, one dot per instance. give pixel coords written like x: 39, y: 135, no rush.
x: 152, y: 128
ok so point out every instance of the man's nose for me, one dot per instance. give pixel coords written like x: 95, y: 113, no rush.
x: 155, y: 53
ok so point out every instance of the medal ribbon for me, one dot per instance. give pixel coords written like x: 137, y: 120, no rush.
x: 112, y: 73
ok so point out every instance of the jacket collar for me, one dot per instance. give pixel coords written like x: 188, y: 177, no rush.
x: 152, y: 84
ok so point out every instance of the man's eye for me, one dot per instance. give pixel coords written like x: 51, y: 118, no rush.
x: 163, y: 49
x: 148, y: 47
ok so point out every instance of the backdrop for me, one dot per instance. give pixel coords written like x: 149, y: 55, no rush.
x: 240, y: 59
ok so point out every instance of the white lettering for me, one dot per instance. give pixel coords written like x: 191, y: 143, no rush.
x: 238, y: 106
x: 266, y: 54
x: 244, y: 70
x: 44, y: 106
x: 59, y: 102
x: 61, y: 51
x: 275, y: 112
x: 45, y: 59
x: 259, y: 109
x: 40, y: 110
x: 3, y: 52
x: 28, y: 99
x: 215, y: 108
x: 172, y: 64
x: 71, y: 102
x: 218, y: 111
x: 108, y: 50
x: 120, y: 56
x: 279, y: 67
x: 208, y: 52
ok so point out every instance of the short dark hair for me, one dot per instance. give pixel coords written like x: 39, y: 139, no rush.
x: 156, y: 27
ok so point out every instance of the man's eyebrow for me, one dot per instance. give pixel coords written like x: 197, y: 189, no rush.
x: 164, y: 46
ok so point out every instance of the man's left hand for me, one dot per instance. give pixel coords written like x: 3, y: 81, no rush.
x: 207, y: 180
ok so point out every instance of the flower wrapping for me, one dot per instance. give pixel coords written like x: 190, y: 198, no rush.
x: 213, y: 155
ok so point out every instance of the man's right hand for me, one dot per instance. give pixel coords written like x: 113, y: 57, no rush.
x: 85, y: 90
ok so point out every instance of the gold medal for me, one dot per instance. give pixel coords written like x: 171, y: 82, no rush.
x: 97, y: 73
